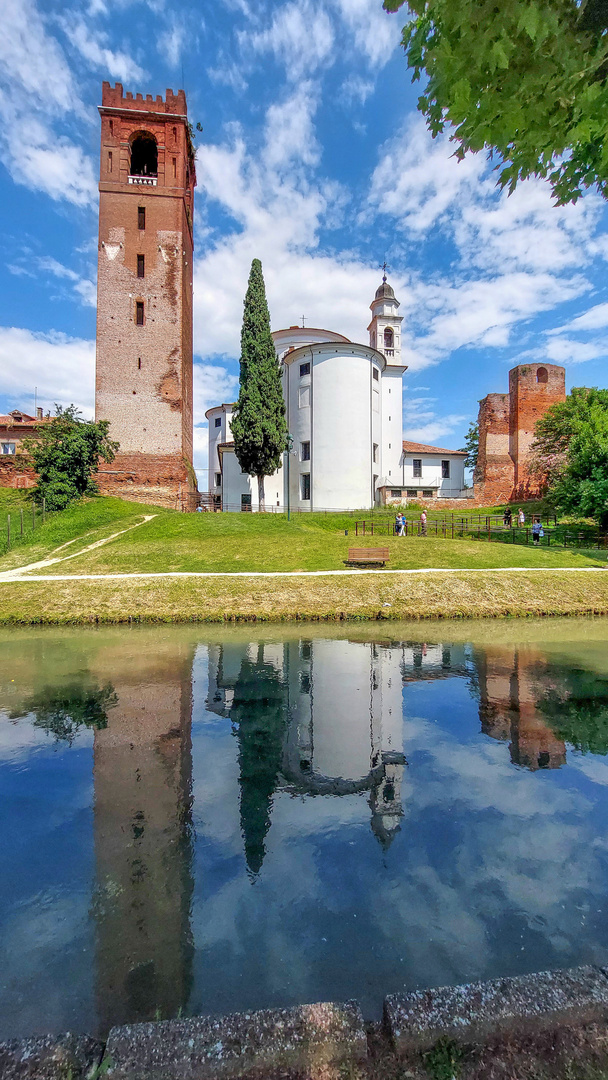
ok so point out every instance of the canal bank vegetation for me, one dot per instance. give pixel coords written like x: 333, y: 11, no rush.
x: 366, y: 596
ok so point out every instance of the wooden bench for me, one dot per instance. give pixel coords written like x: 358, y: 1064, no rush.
x: 367, y: 556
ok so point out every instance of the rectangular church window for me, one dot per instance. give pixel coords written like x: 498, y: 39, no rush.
x: 427, y: 494
x: 445, y: 470
x: 417, y: 464
x: 218, y: 421
x: 305, y: 486
x: 305, y: 451
x: 139, y: 313
x: 218, y: 479
x: 375, y: 373
x: 304, y: 369
x: 174, y: 167
x: 8, y: 449
x: 141, y: 266
x: 109, y: 161
x: 411, y: 493
x: 375, y: 451
x: 304, y: 397
x: 395, y: 493
x: 141, y: 217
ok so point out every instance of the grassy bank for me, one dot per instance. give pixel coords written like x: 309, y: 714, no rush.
x: 365, y: 596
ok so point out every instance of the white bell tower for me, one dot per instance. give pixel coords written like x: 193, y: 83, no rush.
x: 385, y: 327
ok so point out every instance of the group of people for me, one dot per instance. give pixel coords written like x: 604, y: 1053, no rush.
x: 401, y: 524
x: 507, y: 517
x: 537, y: 526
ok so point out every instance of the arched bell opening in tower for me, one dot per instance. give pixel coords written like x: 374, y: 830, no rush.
x: 144, y: 155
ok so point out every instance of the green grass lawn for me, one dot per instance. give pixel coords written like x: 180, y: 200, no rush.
x: 245, y: 542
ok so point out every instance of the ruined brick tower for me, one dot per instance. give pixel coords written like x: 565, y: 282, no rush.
x: 144, y: 296
x: 506, y: 432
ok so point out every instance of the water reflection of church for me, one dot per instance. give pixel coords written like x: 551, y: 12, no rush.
x: 319, y: 718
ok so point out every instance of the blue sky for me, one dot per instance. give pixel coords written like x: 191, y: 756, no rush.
x: 314, y: 159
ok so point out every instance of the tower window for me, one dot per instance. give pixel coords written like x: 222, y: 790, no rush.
x: 109, y: 161
x: 141, y: 217
x: 175, y: 134
x: 375, y: 451
x: 111, y: 127
x: 139, y: 363
x: 8, y: 449
x: 542, y: 375
x: 389, y: 339
x: 305, y: 486
x: 445, y: 470
x: 417, y: 464
x: 305, y: 455
x: 139, y: 313
x: 174, y: 160
x: 144, y: 155
x: 304, y: 369
x: 141, y: 266
x: 218, y: 479
x: 375, y: 373
x: 218, y: 421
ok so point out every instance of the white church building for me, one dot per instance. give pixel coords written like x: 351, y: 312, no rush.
x: 344, y: 415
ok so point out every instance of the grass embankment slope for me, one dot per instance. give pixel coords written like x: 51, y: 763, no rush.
x: 229, y: 543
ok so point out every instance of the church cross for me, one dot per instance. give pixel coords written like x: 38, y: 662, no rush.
x: 303, y: 318
x: 384, y: 267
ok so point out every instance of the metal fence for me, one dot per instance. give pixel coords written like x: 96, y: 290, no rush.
x: 22, y: 523
x: 488, y: 529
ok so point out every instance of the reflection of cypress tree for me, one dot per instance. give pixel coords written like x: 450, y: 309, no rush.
x: 259, y: 712
x: 577, y: 710
x: 62, y: 711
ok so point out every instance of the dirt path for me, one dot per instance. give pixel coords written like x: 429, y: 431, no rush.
x: 19, y: 574
x: 14, y: 575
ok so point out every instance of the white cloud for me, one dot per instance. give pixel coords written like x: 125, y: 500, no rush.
x: 596, y: 318
x: 376, y: 33
x: 289, y: 129
x: 61, y: 367
x: 300, y: 36
x: 84, y: 287
x: 171, y: 42
x: 567, y: 351
x: 356, y: 90
x: 36, y: 91
x: 94, y: 48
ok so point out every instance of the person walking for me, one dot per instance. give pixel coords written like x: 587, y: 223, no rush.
x: 537, y: 531
x: 423, y: 522
x: 521, y: 518
x: 506, y: 518
x: 397, y: 524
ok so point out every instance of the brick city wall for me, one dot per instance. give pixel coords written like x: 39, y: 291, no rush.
x: 16, y: 472
x: 506, y: 432
x: 158, y: 479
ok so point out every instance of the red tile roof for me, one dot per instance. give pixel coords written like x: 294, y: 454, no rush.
x: 422, y: 448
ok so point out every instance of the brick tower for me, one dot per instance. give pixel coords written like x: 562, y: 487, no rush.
x: 506, y: 432
x: 144, y: 296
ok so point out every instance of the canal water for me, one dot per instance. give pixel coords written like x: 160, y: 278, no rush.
x: 199, y: 821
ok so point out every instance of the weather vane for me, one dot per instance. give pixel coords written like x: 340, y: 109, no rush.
x: 384, y: 267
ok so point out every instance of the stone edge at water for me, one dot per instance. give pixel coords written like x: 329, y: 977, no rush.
x: 50, y: 1057
x: 308, y: 1037
x: 474, y: 1012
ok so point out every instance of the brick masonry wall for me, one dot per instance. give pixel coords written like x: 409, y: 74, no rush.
x: 157, y: 479
x: 530, y: 397
x: 144, y: 373
x: 506, y: 432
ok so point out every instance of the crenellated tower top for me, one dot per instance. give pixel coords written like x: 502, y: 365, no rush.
x: 113, y: 97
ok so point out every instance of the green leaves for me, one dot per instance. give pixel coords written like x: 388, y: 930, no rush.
x: 66, y: 455
x: 571, y: 443
x: 524, y: 78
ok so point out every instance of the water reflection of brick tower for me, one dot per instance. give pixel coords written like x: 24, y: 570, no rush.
x: 142, y: 774
x: 508, y: 695
x: 144, y: 295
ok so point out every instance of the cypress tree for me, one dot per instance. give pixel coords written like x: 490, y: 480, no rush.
x: 258, y: 425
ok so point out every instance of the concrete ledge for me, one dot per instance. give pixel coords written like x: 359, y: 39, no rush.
x: 475, y: 1011
x: 306, y: 1037
x: 50, y: 1057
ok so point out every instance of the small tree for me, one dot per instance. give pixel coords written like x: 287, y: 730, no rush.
x: 471, y: 446
x: 258, y: 422
x: 570, y: 454
x: 66, y: 454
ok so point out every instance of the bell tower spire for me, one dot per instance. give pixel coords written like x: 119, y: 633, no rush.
x: 385, y: 327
